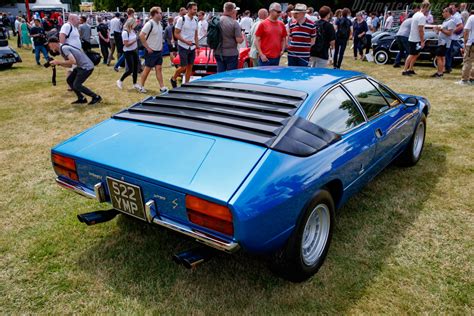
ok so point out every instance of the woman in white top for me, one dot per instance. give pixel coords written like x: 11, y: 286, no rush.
x: 129, y: 38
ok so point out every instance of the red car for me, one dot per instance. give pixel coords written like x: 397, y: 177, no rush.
x: 205, y: 63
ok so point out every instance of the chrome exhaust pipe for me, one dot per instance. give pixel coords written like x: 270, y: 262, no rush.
x: 97, y: 217
x: 193, y: 257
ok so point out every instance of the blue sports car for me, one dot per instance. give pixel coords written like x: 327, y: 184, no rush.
x: 257, y: 159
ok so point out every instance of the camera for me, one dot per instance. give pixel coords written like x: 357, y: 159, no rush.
x: 48, y: 63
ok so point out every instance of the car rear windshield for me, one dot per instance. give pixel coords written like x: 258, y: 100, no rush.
x: 252, y: 113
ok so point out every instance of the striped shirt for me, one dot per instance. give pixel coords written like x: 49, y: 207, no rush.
x: 300, y: 35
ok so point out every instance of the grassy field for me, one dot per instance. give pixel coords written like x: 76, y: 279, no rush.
x: 404, y: 245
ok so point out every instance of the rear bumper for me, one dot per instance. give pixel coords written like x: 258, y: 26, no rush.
x: 206, y: 239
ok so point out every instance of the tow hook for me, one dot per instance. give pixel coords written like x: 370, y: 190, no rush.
x: 193, y: 257
x: 97, y: 217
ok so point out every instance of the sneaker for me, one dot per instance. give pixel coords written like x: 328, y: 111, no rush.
x: 411, y: 72
x: 436, y: 75
x: 137, y: 87
x: 406, y: 73
x: 463, y: 82
x: 95, y: 100
x: 174, y: 83
x: 120, y: 84
x: 80, y: 101
x: 116, y: 69
x: 396, y: 66
x: 164, y: 90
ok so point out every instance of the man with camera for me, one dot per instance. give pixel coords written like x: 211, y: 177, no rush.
x: 82, y: 71
x: 39, y: 39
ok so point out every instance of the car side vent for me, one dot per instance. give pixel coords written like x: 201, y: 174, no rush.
x: 304, y: 138
x: 252, y: 113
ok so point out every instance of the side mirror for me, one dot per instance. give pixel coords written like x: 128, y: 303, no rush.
x: 411, y: 101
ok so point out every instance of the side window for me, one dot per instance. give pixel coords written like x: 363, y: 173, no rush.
x: 368, y: 96
x: 337, y: 112
x: 391, y: 99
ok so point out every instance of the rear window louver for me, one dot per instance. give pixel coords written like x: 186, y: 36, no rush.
x: 251, y: 113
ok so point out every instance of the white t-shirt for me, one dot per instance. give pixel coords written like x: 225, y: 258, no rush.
x: 470, y: 26
x: 458, y: 20
x: 246, y: 24
x: 202, y: 29
x: 444, y: 39
x: 115, y: 25
x: 188, y: 30
x: 155, y: 38
x: 369, y: 25
x: 419, y: 19
x: 74, y: 39
x: 389, y: 23
x: 129, y: 36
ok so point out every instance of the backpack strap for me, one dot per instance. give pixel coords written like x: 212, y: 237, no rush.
x: 151, y: 29
x: 70, y: 30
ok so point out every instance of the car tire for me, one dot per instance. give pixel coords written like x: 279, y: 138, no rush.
x: 381, y: 57
x: 306, y: 249
x: 412, y: 153
x: 6, y: 66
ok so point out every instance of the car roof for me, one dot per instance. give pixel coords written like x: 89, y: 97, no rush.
x: 304, y: 79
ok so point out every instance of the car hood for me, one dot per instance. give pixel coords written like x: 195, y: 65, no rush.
x: 181, y: 160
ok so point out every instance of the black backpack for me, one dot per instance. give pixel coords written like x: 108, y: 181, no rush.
x: 343, y: 29
x: 318, y: 46
x: 173, y: 28
x: 214, y: 33
x: 93, y: 56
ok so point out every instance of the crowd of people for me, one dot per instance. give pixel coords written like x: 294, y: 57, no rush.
x: 310, y: 39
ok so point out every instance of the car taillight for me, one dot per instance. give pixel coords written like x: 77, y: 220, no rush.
x: 209, y: 215
x: 65, y: 166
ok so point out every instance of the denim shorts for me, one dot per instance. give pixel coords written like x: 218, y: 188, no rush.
x: 153, y: 59
x: 186, y: 56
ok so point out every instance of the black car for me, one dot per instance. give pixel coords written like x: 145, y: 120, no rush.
x: 8, y: 56
x: 385, y: 50
x: 381, y: 35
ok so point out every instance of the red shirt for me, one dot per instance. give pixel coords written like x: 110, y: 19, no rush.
x: 271, y: 34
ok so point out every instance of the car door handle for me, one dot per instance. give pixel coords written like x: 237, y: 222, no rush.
x: 378, y: 133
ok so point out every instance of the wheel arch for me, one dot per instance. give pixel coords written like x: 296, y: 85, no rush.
x: 425, y: 110
x: 335, y: 188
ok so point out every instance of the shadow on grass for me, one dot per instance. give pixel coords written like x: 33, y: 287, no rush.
x: 135, y: 260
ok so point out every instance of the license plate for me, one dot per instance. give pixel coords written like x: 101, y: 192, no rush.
x: 194, y: 78
x: 126, y: 198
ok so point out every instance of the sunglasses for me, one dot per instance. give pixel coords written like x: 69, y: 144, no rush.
x: 277, y: 11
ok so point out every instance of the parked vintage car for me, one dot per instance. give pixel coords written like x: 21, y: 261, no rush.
x: 205, y: 64
x: 257, y: 159
x: 380, y: 35
x: 386, y: 48
x: 8, y: 56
